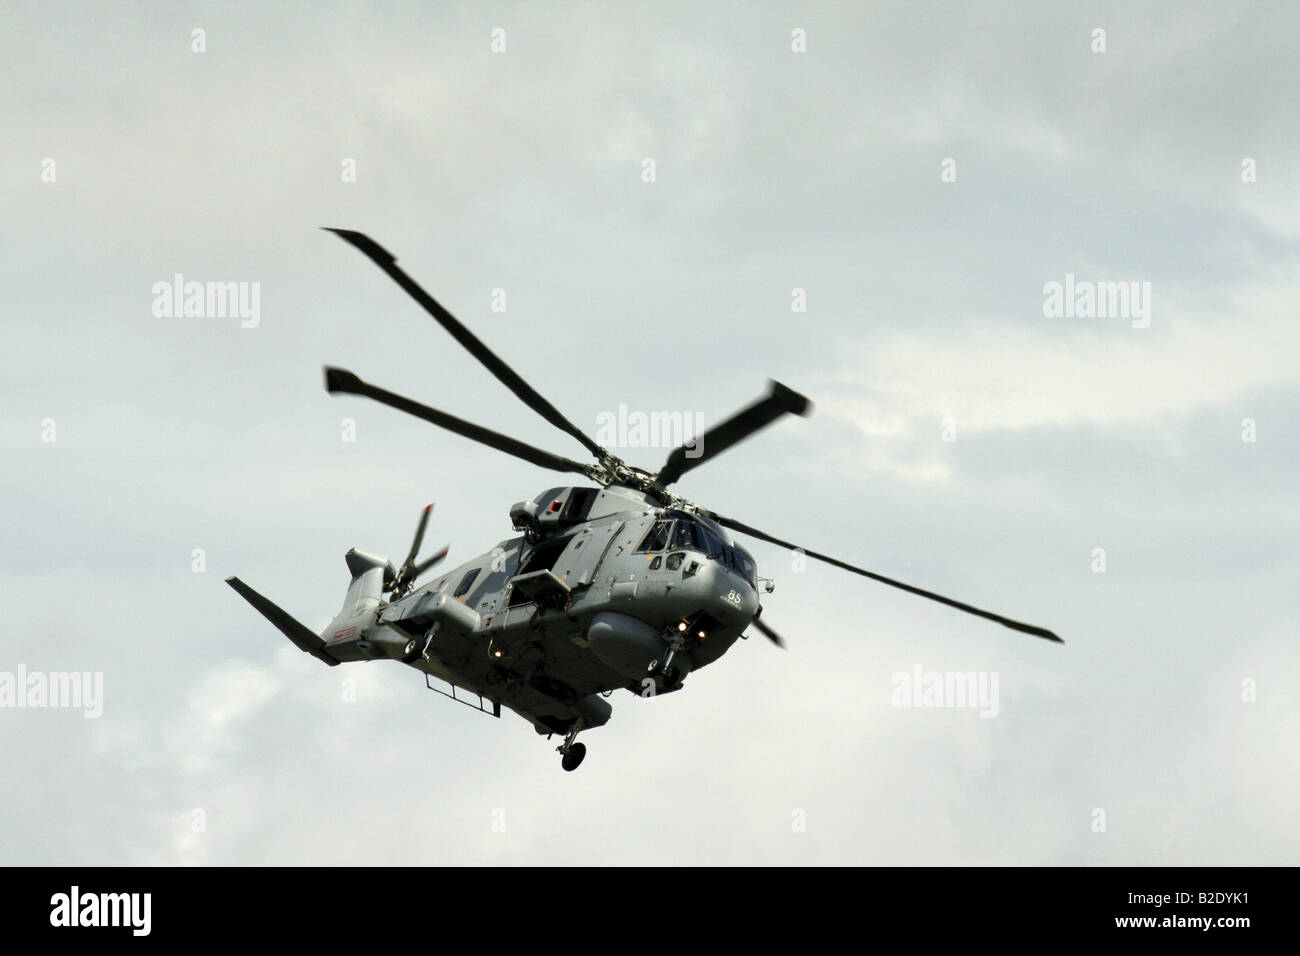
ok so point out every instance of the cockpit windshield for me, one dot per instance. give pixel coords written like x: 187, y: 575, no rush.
x: 696, y: 537
x: 689, y: 534
x: 744, y: 565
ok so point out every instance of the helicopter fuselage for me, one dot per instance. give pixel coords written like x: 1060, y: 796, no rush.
x: 604, y: 589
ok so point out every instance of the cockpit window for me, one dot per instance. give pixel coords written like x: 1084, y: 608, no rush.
x: 693, y: 535
x: 656, y: 539
x: 685, y: 533
x: 708, y: 542
x: 743, y: 565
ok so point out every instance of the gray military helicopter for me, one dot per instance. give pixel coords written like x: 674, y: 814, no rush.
x: 623, y: 585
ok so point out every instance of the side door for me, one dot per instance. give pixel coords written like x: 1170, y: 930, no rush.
x: 580, y: 561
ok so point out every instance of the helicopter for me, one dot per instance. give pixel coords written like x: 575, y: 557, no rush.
x: 620, y: 584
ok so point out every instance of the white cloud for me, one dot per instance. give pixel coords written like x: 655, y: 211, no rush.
x: 1035, y: 372
x: 220, y: 710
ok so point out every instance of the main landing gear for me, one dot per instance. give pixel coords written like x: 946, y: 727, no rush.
x: 415, y: 649
x: 571, y: 753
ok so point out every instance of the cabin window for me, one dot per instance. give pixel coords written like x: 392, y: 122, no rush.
x: 463, y: 588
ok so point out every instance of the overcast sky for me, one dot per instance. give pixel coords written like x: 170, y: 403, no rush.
x: 1169, y: 159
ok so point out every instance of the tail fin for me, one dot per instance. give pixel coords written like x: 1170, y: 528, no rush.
x: 291, y: 628
x: 371, y: 576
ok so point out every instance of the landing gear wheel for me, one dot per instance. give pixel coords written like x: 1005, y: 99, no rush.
x: 574, y: 757
x: 411, y: 651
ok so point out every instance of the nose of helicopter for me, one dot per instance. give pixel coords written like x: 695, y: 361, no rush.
x: 732, y: 601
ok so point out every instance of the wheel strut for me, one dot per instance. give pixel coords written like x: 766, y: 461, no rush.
x: 571, y: 753
x: 664, y: 668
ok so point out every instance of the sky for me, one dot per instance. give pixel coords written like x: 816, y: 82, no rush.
x: 864, y: 202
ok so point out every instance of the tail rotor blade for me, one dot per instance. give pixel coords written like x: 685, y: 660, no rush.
x: 419, y: 536
x: 405, y: 577
x: 428, y: 563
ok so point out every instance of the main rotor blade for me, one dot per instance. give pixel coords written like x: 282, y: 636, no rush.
x: 1004, y: 621
x: 508, y: 377
x: 770, y: 634
x: 779, y: 401
x: 341, y: 380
